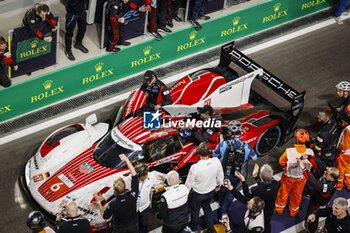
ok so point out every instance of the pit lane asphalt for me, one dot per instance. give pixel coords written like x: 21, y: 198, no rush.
x: 316, y: 62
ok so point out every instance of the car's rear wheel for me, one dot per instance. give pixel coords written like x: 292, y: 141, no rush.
x: 268, y: 140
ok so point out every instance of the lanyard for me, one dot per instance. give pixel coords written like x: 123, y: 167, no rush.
x: 139, y: 196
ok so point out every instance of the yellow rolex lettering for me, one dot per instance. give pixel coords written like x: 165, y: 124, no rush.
x: 311, y: 4
x: 234, y: 30
x: 5, y: 109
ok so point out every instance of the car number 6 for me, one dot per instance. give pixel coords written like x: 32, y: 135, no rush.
x: 56, y: 187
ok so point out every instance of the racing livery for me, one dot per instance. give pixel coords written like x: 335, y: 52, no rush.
x: 77, y: 160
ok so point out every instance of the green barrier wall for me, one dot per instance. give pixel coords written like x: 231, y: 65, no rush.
x: 78, y: 78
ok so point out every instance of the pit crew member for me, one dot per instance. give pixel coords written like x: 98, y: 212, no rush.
x: 204, y: 178
x: 337, y: 216
x: 35, y: 15
x: 327, y: 138
x: 174, y: 205
x: 266, y: 189
x: 233, y: 153
x: 72, y: 222
x: 158, y: 93
x: 323, y: 188
x: 123, y: 208
x: 5, y: 60
x: 293, y: 180
x: 343, y: 92
x: 343, y: 159
x: 254, y: 216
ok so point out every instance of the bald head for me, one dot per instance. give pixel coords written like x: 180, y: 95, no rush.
x: 72, y: 209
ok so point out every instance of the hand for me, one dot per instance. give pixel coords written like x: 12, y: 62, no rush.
x: 239, y: 176
x: 157, y: 107
x: 98, y: 198
x: 312, y: 218
x: 7, y: 55
x: 121, y: 20
x: 59, y: 217
x: 162, y: 178
x: 228, y: 185
x: 227, y: 224
x: 54, y: 28
x: 304, y: 156
x: 123, y: 157
x: 148, y: 8
x: 217, y: 188
x: 301, y: 163
x: 15, y: 67
x: 256, y: 170
x: 48, y: 39
x: 143, y: 8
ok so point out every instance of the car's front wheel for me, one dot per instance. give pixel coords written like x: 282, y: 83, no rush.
x: 268, y: 140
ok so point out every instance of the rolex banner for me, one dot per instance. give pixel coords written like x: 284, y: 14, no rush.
x: 31, y: 53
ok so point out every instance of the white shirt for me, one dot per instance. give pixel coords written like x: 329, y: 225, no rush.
x: 205, y: 175
x: 145, y: 188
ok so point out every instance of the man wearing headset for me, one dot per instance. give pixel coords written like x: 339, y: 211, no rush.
x: 343, y: 90
x: 254, y: 216
x: 204, y: 178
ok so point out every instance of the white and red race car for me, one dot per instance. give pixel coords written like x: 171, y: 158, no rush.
x: 79, y: 159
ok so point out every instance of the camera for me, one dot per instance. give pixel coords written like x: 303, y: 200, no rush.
x: 223, y: 219
x: 63, y: 211
x: 225, y: 181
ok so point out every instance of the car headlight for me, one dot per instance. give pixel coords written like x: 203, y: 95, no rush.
x: 27, y: 172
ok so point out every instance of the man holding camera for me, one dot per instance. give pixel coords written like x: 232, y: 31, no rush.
x: 204, y: 178
x: 71, y: 222
x: 233, y: 154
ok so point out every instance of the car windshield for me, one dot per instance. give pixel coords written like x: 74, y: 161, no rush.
x: 111, y: 146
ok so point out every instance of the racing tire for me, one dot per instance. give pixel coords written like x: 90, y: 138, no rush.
x: 268, y: 140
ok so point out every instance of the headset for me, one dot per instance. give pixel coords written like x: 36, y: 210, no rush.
x: 257, y: 207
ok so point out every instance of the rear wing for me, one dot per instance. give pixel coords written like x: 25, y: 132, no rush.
x: 296, y: 99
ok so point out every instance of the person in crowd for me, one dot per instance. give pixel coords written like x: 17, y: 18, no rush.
x: 173, y: 8
x: 35, y: 15
x: 75, y: 14
x: 337, y: 216
x: 72, y: 222
x: 293, y: 180
x: 152, y: 19
x: 233, y: 153
x: 254, y: 216
x: 174, y: 205
x: 37, y: 223
x: 325, y: 145
x: 5, y: 60
x: 343, y: 159
x: 158, y: 92
x: 204, y: 178
x: 208, y: 133
x: 340, y: 7
x: 197, y: 12
x: 323, y: 188
x: 266, y: 189
x: 162, y: 6
x: 115, y: 22
x: 343, y: 89
x: 123, y: 208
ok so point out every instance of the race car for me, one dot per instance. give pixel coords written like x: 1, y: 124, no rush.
x: 80, y: 159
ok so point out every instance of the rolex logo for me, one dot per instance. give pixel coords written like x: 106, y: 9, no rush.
x: 192, y: 35
x: 34, y: 43
x: 98, y: 66
x: 236, y: 20
x: 147, y: 50
x: 47, y: 84
x: 277, y: 7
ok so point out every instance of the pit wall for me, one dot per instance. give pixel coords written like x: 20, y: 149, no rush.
x: 58, y: 85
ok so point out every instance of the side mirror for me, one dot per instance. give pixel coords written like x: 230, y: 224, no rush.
x: 90, y: 120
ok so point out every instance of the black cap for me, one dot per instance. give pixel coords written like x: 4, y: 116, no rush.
x: 206, y: 109
x: 148, y: 76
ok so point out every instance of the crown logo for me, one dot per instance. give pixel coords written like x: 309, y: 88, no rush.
x: 47, y: 84
x: 98, y: 66
x: 236, y: 20
x: 34, y: 43
x: 277, y: 7
x: 147, y: 50
x: 192, y: 35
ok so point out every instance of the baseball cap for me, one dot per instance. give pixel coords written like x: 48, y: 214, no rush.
x: 206, y: 109
x: 148, y: 76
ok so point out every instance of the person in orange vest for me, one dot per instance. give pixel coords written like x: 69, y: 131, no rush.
x: 343, y: 159
x: 293, y: 180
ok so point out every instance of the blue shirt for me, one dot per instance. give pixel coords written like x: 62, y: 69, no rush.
x: 236, y: 142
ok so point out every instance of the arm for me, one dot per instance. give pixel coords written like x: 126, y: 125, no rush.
x: 322, y: 188
x: 317, y: 163
x: 236, y: 193
x: 323, y: 212
x: 167, y: 97
x: 283, y: 159
x: 219, y: 174
x: 251, y: 151
x: 51, y: 20
x: 128, y: 163
x: 190, y: 179
x: 163, y: 208
x: 246, y: 191
x: 345, y: 143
